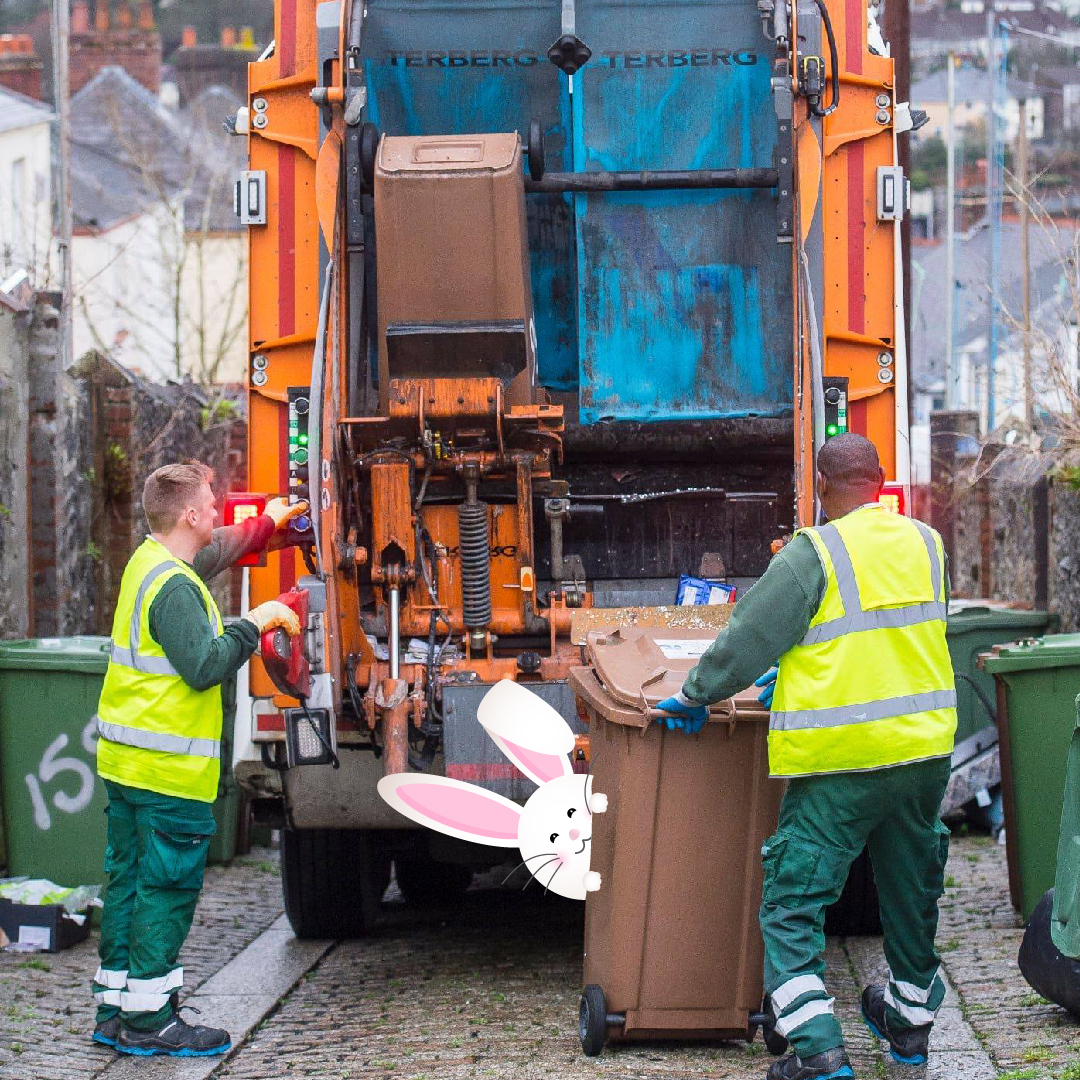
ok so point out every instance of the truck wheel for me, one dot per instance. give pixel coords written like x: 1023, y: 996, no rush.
x: 333, y: 880
x: 856, y: 912
x: 592, y: 1020
x: 426, y: 883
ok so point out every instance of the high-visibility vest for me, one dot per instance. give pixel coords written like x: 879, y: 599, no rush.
x: 155, y: 731
x: 871, y: 683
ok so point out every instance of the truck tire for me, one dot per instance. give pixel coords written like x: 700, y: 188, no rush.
x: 333, y: 880
x: 426, y: 883
x: 856, y: 912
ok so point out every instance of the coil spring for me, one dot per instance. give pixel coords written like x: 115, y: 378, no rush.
x: 473, y: 544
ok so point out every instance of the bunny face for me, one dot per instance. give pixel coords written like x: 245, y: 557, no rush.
x: 553, y: 830
x: 556, y: 821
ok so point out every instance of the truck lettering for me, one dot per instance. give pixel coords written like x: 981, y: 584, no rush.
x: 612, y: 61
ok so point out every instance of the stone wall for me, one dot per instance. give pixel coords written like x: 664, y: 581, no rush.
x: 1011, y: 527
x: 14, y: 493
x: 75, y: 447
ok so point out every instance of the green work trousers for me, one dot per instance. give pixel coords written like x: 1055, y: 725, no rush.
x: 825, y: 822
x: 155, y: 856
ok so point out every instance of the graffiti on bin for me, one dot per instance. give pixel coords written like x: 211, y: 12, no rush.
x: 51, y: 767
x: 550, y: 829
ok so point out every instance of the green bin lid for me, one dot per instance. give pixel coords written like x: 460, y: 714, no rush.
x: 975, y: 615
x: 1051, y: 651
x: 80, y: 653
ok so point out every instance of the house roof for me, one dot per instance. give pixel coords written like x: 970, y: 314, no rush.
x: 19, y: 111
x: 972, y: 84
x: 941, y: 24
x: 1049, y: 248
x: 130, y: 153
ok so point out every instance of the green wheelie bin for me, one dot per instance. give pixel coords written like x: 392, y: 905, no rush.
x: 1037, y: 684
x: 52, y: 800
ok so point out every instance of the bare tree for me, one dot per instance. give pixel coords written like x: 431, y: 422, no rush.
x: 188, y: 307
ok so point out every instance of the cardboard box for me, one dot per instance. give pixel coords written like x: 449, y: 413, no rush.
x: 46, y: 925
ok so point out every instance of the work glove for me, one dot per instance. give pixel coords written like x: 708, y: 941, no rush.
x: 274, y: 613
x: 281, y: 511
x: 686, y: 716
x: 768, y: 681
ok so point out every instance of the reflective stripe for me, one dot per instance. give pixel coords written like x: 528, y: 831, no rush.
x: 931, y: 550
x: 787, y: 1024
x: 910, y: 992
x: 878, y: 619
x: 134, y: 633
x: 915, y: 1015
x: 884, y: 709
x: 846, y: 581
x: 114, y: 980
x: 162, y: 984
x: 107, y: 997
x: 157, y: 740
x: 149, y: 665
x: 787, y: 992
x: 131, y: 1003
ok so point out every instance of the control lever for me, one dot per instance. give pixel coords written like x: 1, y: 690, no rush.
x: 283, y: 655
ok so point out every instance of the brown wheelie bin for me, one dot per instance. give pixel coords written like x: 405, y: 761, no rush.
x: 672, y: 945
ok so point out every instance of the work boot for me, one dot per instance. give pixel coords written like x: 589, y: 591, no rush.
x: 176, y: 1038
x: 909, y: 1045
x: 828, y: 1065
x: 108, y: 1031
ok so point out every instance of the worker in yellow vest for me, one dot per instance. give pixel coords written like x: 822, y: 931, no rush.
x: 863, y: 714
x: 159, y: 728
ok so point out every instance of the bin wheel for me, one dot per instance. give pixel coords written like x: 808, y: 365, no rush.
x: 775, y: 1043
x: 592, y: 1020
x: 535, y: 152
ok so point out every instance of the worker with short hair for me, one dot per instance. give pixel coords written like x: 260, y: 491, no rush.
x: 159, y: 725
x: 863, y: 714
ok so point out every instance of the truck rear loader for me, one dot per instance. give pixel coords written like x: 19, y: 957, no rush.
x: 551, y: 303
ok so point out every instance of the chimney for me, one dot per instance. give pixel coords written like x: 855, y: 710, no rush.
x: 80, y: 17
x: 20, y: 68
x: 228, y: 37
x: 189, y: 37
x: 137, y: 51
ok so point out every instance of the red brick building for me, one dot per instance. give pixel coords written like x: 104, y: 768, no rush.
x: 122, y: 35
x: 20, y: 65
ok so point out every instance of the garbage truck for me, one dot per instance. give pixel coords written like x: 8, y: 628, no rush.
x: 550, y: 305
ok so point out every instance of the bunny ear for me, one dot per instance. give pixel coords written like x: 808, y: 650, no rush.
x: 454, y: 808
x: 535, y: 764
x: 527, y: 730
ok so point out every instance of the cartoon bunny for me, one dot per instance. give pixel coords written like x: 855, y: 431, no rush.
x: 553, y: 829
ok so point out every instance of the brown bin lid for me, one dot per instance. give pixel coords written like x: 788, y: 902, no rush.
x: 639, y: 666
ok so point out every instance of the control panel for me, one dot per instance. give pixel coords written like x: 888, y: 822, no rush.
x: 836, y: 405
x: 299, y: 464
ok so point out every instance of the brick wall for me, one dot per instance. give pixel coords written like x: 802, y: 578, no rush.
x: 20, y: 67
x: 121, y: 36
x: 93, y: 434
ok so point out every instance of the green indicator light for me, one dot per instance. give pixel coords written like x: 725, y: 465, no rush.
x: 303, y: 440
x: 832, y: 429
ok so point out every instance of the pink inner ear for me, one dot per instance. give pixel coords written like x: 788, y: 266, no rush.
x: 546, y: 766
x: 466, y: 811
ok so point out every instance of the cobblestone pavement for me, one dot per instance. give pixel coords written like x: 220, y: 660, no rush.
x: 493, y: 992
x: 46, y: 1012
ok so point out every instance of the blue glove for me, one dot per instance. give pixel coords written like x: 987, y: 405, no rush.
x: 768, y: 680
x: 687, y: 718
